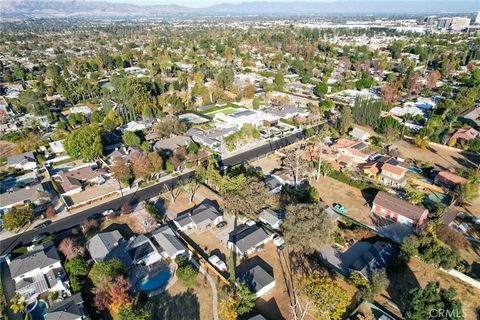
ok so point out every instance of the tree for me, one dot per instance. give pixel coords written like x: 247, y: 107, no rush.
x: 121, y: 171
x: 84, y: 143
x: 320, y: 89
x: 186, y: 272
x: 307, y: 227
x: 330, y: 300
x: 77, y: 266
x: 191, y: 186
x: 17, y: 217
x: 249, y: 91
x: 421, y: 142
x: 134, y: 313
x: 225, y: 78
x: 141, y: 166
x: 426, y: 303
x: 106, y: 270
x: 119, y: 295
x: 227, y: 308
x: 100, y: 298
x: 33, y: 102
x: 131, y: 139
x: 70, y: 249
x: 248, y: 198
x: 346, y: 120
x: 432, y: 79
x: 415, y: 197
x: 170, y: 126
x: 50, y: 213
x: 279, y: 81
x: 452, y: 238
x: 17, y: 304
x: 245, y: 299
x: 296, y: 166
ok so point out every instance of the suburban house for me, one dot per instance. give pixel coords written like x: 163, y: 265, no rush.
x: 73, y: 181
x: 375, y: 258
x: 35, y: 194
x: 102, y: 245
x: 22, y: 161
x: 363, y: 257
x: 392, y: 175
x: 57, y: 147
x: 462, y: 136
x: 273, y: 184
x: 249, y: 239
x: 388, y: 206
x: 272, y: 218
x: 71, y: 308
x: 448, y: 179
x: 212, y: 138
x: 202, y: 217
x: 170, y: 144
x: 170, y: 245
x: 359, y: 134
x: 39, y: 271
x: 257, y: 280
x: 353, y: 149
x: 111, y: 245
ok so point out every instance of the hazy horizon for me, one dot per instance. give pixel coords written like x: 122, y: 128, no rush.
x: 204, y: 3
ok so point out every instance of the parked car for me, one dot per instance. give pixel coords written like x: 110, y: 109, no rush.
x: 40, y: 237
x: 42, y: 225
x: 218, y: 263
x: 221, y: 224
x: 339, y: 208
x: 95, y: 216
x: 278, y: 241
x: 107, y: 212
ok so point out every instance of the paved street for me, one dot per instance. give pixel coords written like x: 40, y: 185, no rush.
x: 66, y: 223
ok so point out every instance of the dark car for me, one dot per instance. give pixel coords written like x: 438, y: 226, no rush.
x: 42, y: 225
x: 95, y: 216
x: 220, y: 225
x: 40, y: 237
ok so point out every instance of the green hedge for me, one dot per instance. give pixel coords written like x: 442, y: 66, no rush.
x: 340, y: 176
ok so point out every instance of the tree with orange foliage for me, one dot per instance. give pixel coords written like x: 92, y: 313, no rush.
x: 433, y: 79
x: 119, y: 296
x: 50, y: 213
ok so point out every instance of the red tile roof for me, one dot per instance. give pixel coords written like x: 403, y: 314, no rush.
x: 399, y: 206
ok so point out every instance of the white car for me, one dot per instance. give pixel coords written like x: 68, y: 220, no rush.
x: 278, y: 241
x: 107, y: 212
x: 219, y: 264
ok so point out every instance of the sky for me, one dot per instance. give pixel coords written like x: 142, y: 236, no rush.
x: 204, y: 3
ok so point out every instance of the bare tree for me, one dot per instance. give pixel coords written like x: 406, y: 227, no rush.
x: 191, y: 186
x: 295, y: 164
x: 70, y: 249
x: 298, y: 308
x: 173, y: 190
x: 147, y: 223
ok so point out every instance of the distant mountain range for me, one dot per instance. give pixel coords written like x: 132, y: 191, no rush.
x: 70, y: 8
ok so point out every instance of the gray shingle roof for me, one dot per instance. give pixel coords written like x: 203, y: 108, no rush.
x: 250, y: 237
x: 376, y: 258
x: 68, y: 309
x: 201, y: 215
x: 269, y: 216
x: 19, y: 158
x: 102, y: 244
x: 256, y: 278
x: 40, y: 257
x: 167, y: 240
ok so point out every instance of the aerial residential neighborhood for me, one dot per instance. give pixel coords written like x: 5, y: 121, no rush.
x: 247, y: 160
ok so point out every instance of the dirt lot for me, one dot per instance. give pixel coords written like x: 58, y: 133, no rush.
x: 269, y: 163
x: 182, y: 203
x: 6, y: 148
x: 442, y: 158
x: 181, y: 302
x: 331, y: 190
x: 419, y: 273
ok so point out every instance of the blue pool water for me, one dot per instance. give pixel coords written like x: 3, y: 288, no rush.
x: 39, y: 312
x: 157, y: 281
x: 59, y: 169
x: 416, y: 170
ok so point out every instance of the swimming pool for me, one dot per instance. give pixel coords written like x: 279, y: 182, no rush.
x: 414, y: 169
x: 155, y: 282
x: 37, y: 310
